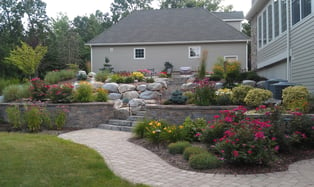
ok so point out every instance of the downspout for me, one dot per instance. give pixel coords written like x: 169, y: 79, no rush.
x: 246, y: 56
x: 288, y: 41
x: 91, y: 58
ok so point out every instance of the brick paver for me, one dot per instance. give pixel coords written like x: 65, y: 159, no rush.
x: 139, y: 165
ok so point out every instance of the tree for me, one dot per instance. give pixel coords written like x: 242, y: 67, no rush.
x: 122, y: 8
x: 26, y: 58
x: 210, y: 5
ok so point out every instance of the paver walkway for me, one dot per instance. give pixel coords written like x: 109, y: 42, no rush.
x: 139, y: 165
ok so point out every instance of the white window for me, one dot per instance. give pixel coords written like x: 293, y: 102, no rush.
x: 259, y: 26
x: 276, y: 18
x: 283, y: 5
x: 231, y: 58
x: 139, y: 53
x: 270, y: 22
x: 300, y: 9
x: 195, y: 52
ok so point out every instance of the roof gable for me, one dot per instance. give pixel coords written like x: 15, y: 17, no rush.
x: 169, y: 26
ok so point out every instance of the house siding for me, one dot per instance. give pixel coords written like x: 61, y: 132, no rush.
x: 122, y: 57
x: 278, y: 71
x: 302, y: 53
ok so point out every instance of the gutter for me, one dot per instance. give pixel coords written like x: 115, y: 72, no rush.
x: 288, y: 42
x: 256, y: 7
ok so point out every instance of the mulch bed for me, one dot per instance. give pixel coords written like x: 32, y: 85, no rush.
x: 281, y: 164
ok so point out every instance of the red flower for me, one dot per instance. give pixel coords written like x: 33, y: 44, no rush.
x: 228, y: 119
x: 277, y: 148
x: 259, y: 135
x: 216, y: 116
x: 212, y: 126
x: 235, y: 153
x: 249, y: 152
x: 273, y: 138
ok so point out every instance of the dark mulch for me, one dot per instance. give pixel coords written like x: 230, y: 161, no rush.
x: 281, y: 164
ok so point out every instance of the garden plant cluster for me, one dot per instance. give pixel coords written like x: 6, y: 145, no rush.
x: 232, y: 137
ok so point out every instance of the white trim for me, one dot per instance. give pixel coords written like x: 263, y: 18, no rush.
x: 273, y: 60
x: 91, y: 58
x: 174, y: 42
x: 134, y: 53
x: 231, y: 56
x: 232, y: 20
x: 197, y: 55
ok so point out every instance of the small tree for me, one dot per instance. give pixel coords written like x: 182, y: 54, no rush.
x: 26, y: 58
x: 202, y: 69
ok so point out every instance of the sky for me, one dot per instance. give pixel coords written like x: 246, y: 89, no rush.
x: 73, y: 8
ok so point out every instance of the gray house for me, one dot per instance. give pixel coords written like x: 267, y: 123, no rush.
x: 283, y: 39
x: 149, y: 38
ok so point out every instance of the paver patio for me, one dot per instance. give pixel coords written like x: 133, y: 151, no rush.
x: 138, y: 165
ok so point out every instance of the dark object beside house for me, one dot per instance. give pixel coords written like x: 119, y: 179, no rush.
x: 278, y: 87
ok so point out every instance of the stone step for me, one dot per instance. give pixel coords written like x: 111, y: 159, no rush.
x: 119, y: 122
x: 115, y: 127
x: 135, y: 118
x: 141, y: 113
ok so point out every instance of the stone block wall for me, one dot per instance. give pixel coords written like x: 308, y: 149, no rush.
x: 81, y: 115
x: 176, y: 114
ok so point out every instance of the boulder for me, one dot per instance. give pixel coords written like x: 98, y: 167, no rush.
x: 92, y: 74
x: 114, y: 96
x: 111, y: 87
x: 96, y: 84
x: 164, y: 84
x: 136, y: 105
x: 141, y: 87
x: 126, y: 87
x: 148, y: 95
x: 219, y: 85
x: 157, y: 86
x: 117, y: 104
x: 249, y: 83
x: 188, y: 86
x: 130, y: 95
x: 261, y: 84
x: 121, y: 113
x: 161, y: 79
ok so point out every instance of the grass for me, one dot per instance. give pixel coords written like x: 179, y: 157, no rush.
x: 44, y: 160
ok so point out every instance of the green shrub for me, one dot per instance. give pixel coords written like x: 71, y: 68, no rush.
x: 223, y: 96
x: 204, y: 161
x: 38, y: 89
x: 239, y: 93
x: 14, y: 116
x: 61, y: 93
x: 84, y: 93
x: 140, y: 128
x: 177, y: 98
x: 6, y: 82
x: 204, y: 94
x: 257, y: 96
x: 16, y: 92
x: 296, y: 98
x: 149, y: 80
x: 33, y: 118
x: 193, y: 128
x: 128, y: 80
x: 190, y: 97
x: 53, y: 77
x: 213, y: 132
x: 60, y: 116
x: 178, y: 147
x: 189, y: 151
x: 101, y: 95
x: 102, y: 76
x: 116, y: 78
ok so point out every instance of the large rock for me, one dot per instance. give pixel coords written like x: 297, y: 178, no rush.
x: 249, y: 83
x: 161, y: 79
x: 126, y: 87
x: 121, y: 113
x: 147, y: 95
x: 111, y: 87
x: 96, y: 84
x: 114, y: 96
x: 154, y: 86
x: 164, y: 84
x: 130, y: 95
x: 118, y: 104
x: 188, y: 86
x: 136, y: 105
x: 92, y: 74
x: 141, y: 87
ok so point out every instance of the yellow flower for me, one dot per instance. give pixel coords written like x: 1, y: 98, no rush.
x: 153, y: 132
x: 181, y: 127
x: 165, y: 128
x: 151, y: 123
x: 169, y: 131
x: 158, y: 124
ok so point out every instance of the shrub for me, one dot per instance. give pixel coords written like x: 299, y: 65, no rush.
x: 257, y: 96
x: 129, y: 80
x: 101, y: 95
x: 149, y: 80
x: 154, y: 130
x: 102, y: 76
x: 190, y: 97
x: 84, y: 93
x: 239, y: 93
x: 60, y: 116
x: 140, y: 128
x: 178, y: 147
x: 138, y: 76
x: 193, y: 150
x: 205, y: 93
x: 173, y: 133
x: 213, y: 132
x: 177, y: 98
x: 204, y: 161
x: 116, y: 78
x: 6, y: 82
x: 53, y: 77
x: 296, y: 98
x: 60, y: 93
x: 223, y: 96
x: 16, y: 92
x: 193, y: 128
x: 14, y: 116
x: 33, y: 118
x: 38, y: 89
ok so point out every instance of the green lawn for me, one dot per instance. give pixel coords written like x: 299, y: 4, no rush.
x: 44, y: 160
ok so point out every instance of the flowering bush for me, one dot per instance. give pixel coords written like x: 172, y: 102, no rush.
x: 38, y: 89
x: 204, y: 93
x: 162, y: 74
x: 223, y: 96
x: 257, y: 96
x: 296, y: 98
x: 101, y: 95
x: 84, y: 93
x: 239, y: 93
x: 60, y: 93
x: 146, y: 72
x: 138, y: 75
x: 193, y: 128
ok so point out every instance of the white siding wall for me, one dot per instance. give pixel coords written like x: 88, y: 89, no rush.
x: 122, y: 59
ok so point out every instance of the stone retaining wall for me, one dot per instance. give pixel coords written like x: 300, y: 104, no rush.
x: 81, y: 115
x: 176, y: 114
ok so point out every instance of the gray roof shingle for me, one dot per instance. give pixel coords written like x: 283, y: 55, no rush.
x: 237, y: 15
x: 168, y: 26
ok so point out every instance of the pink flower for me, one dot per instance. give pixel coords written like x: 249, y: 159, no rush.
x: 212, y: 126
x: 222, y: 151
x: 216, y: 116
x: 198, y: 134
x: 259, y: 135
x: 273, y: 138
x: 249, y: 152
x: 235, y: 153
x: 228, y: 119
x: 277, y: 148
x: 313, y: 128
